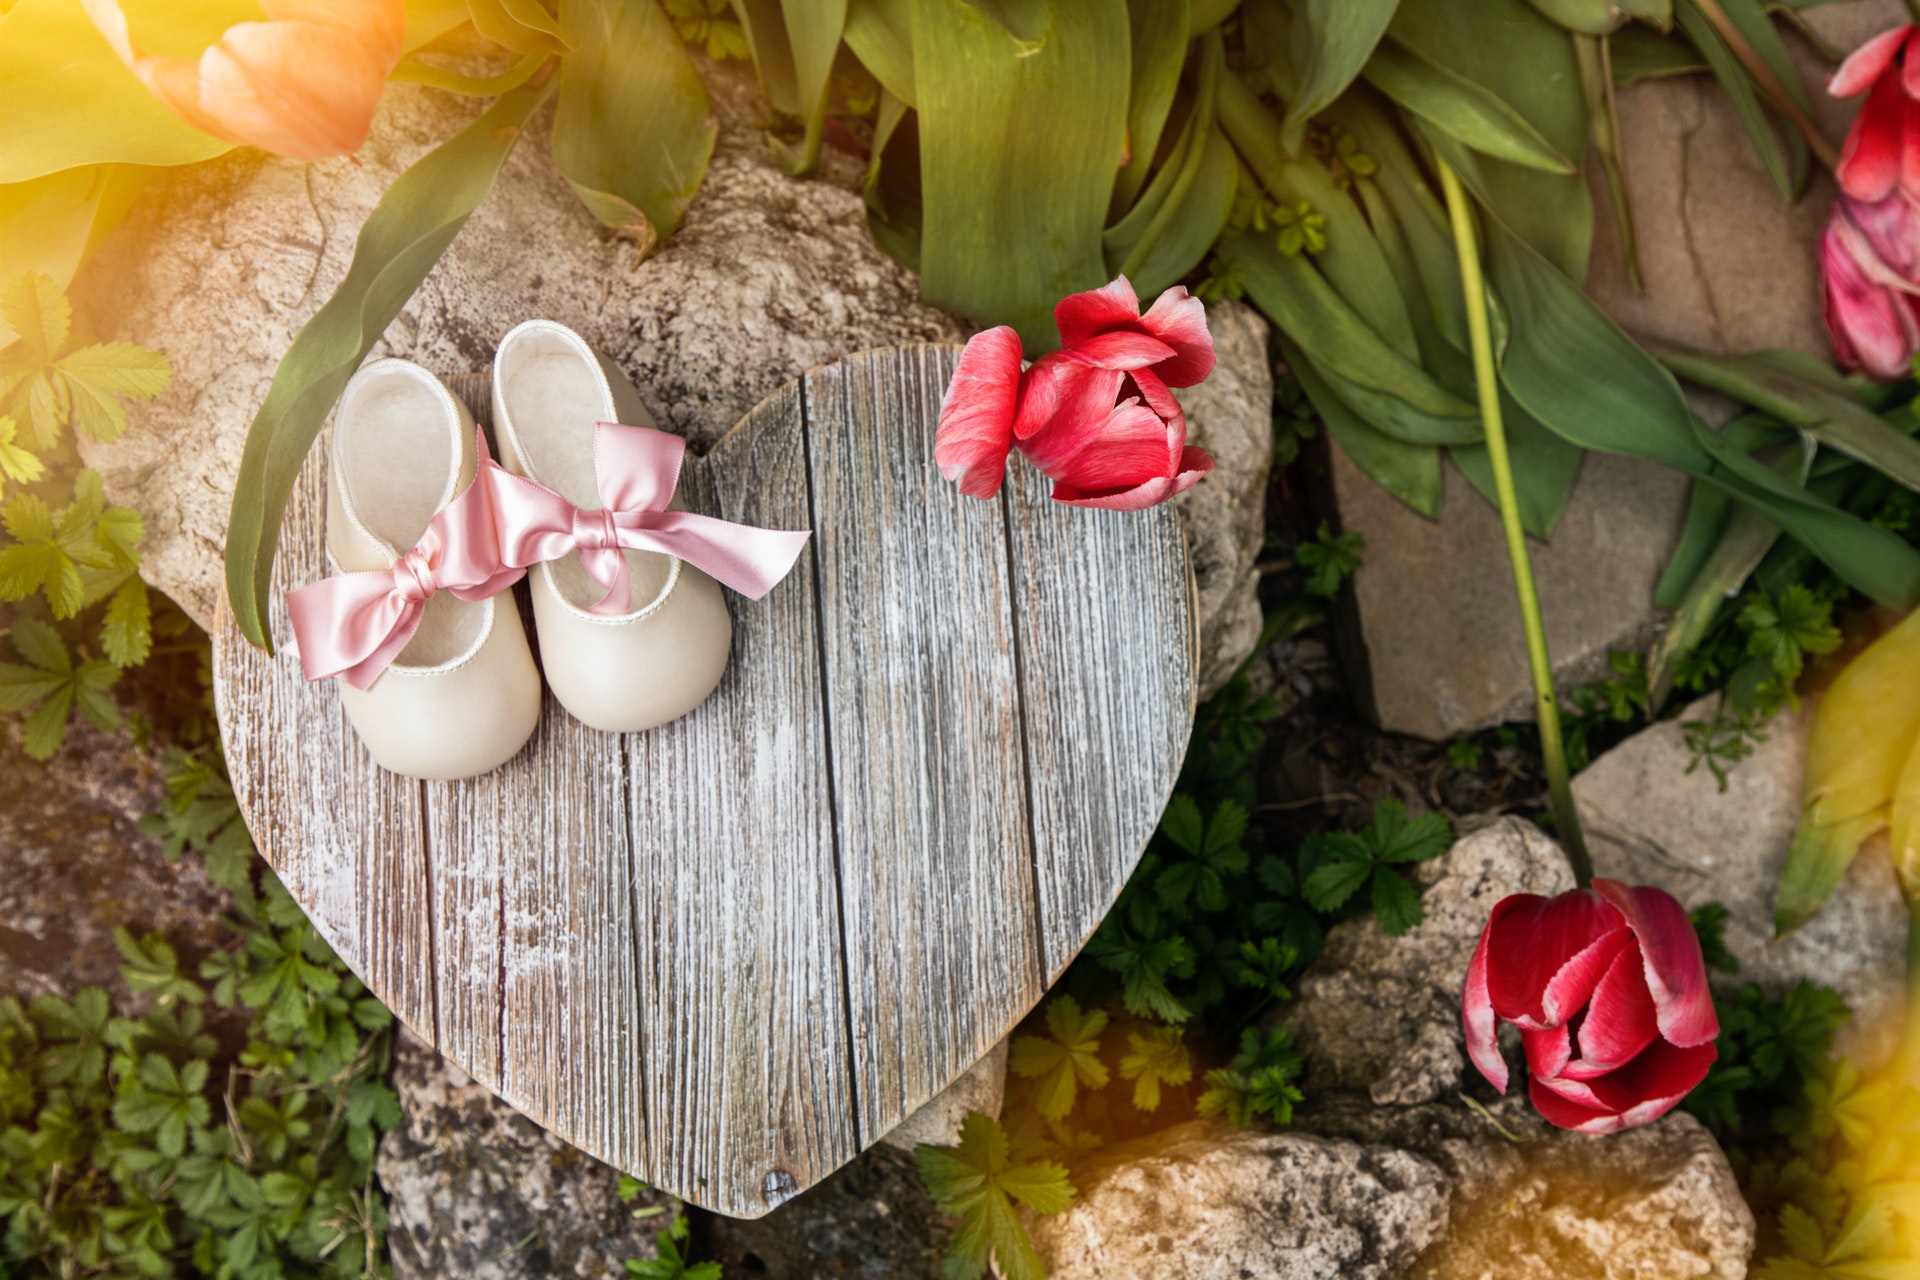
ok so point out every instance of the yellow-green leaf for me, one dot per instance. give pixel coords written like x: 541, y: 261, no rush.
x: 632, y: 134
x: 35, y: 308
x: 880, y: 33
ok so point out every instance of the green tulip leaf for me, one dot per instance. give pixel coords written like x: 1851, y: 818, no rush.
x: 1159, y: 45
x: 1393, y: 393
x: 1410, y: 472
x: 1332, y: 40
x: 632, y: 133
x: 1464, y: 110
x: 401, y: 240
x: 1022, y: 123
x: 1579, y: 374
x: 1527, y: 62
x: 881, y: 36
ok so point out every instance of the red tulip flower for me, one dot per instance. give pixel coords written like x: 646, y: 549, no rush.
x: 1882, y: 153
x: 1870, y: 278
x: 1097, y: 417
x: 1609, y: 990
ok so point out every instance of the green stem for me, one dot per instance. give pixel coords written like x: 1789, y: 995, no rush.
x: 1769, y: 83
x: 1546, y: 708
x: 1913, y: 9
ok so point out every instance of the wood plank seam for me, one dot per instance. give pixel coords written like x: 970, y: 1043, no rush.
x: 1026, y: 754
x: 433, y: 937
x: 861, y: 1138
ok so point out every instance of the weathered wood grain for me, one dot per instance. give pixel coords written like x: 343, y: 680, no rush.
x: 344, y: 836
x: 936, y: 857
x: 727, y: 954
x: 1107, y: 658
x: 733, y: 826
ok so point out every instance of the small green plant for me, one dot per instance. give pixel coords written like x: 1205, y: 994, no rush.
x: 1259, y: 1081
x: 1330, y: 559
x: 670, y: 1260
x: 67, y: 555
x: 978, y: 1182
x: 1370, y: 857
x: 1067, y: 1057
x: 1755, y: 654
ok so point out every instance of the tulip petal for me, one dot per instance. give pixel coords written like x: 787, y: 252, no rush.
x: 1545, y: 955
x: 1127, y: 447
x: 1119, y: 349
x: 1081, y: 316
x: 1871, y: 326
x: 1194, y: 463
x: 1665, y: 1073
x: 1864, y: 65
x: 1621, y: 1020
x: 1476, y: 1009
x: 976, y: 418
x: 303, y: 85
x: 297, y: 89
x: 1870, y: 162
x: 1158, y: 397
x: 1676, y: 972
x: 1571, y: 1115
x: 1180, y: 320
x: 1039, y: 397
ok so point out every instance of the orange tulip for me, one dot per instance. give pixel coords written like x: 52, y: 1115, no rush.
x: 303, y: 84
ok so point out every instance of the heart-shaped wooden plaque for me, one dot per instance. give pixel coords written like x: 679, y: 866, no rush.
x: 728, y: 954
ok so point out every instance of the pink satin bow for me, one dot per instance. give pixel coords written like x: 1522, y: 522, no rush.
x: 355, y: 624
x: 636, y: 470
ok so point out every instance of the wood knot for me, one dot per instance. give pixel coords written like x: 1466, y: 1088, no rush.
x: 778, y: 1187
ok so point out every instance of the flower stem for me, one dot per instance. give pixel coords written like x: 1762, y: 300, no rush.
x: 1769, y: 83
x: 1913, y: 9
x: 1566, y: 818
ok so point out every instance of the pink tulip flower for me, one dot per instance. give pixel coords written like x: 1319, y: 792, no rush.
x: 1882, y: 151
x: 303, y: 84
x: 1870, y: 278
x: 1097, y: 417
x: 1609, y: 990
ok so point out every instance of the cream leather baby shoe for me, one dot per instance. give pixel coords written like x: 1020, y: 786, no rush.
x: 435, y: 673
x: 663, y: 653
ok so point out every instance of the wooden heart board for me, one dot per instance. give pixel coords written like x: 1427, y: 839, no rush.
x: 728, y: 954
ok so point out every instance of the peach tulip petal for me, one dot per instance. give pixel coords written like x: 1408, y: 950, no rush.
x: 302, y: 85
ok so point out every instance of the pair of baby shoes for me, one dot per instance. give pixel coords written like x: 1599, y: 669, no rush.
x: 427, y: 531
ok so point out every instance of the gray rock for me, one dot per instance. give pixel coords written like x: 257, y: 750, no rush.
x: 981, y: 1089
x: 1650, y: 821
x: 1230, y: 415
x: 74, y: 865
x: 1527, y: 1199
x: 1438, y: 626
x: 1729, y: 265
x: 871, y: 1220
x: 1198, y: 1203
x: 476, y: 1190
x: 1381, y: 1015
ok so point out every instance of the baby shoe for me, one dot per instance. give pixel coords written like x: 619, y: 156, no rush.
x: 633, y: 630
x: 435, y: 673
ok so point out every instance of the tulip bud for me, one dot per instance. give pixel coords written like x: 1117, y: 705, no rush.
x: 1870, y: 277
x: 1609, y: 990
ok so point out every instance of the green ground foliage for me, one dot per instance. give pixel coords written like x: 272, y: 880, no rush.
x: 221, y: 1119
x: 77, y: 612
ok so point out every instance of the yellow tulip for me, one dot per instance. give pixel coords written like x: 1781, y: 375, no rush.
x: 1864, y: 737
x: 303, y: 84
